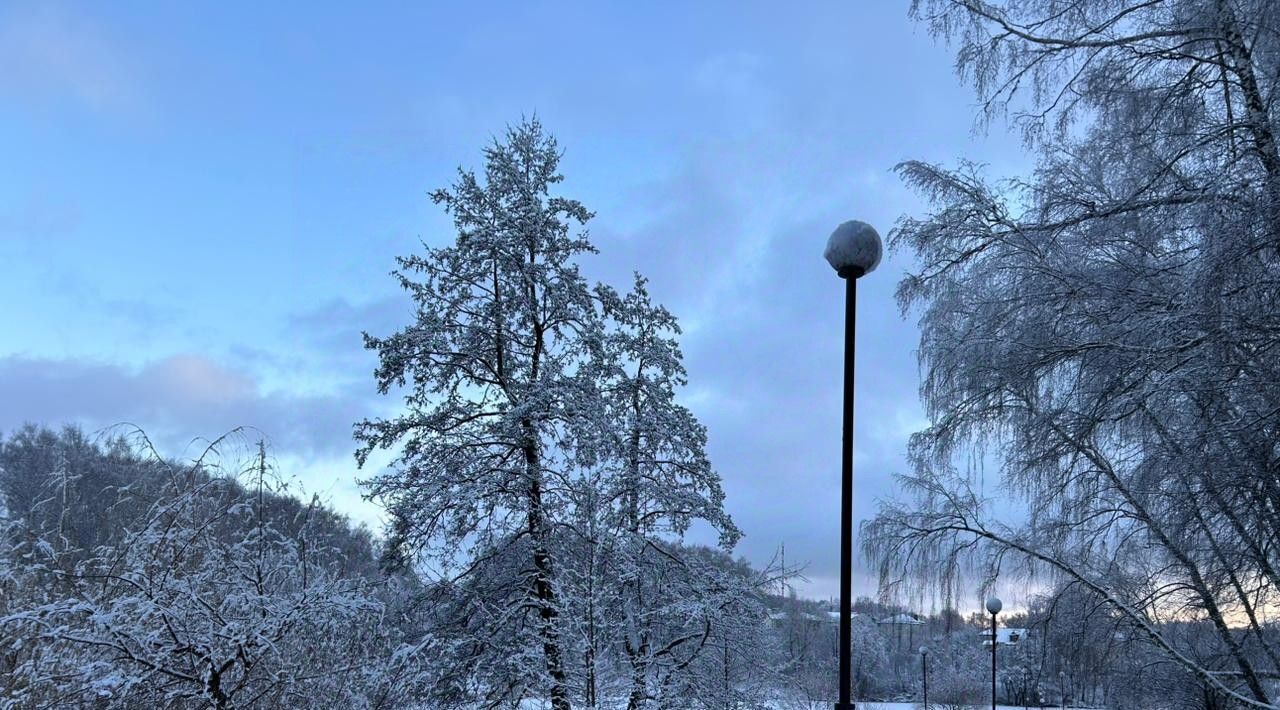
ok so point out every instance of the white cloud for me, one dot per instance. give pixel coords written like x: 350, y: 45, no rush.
x: 175, y: 399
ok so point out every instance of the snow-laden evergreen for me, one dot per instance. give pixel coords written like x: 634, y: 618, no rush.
x: 490, y: 366
x: 545, y: 473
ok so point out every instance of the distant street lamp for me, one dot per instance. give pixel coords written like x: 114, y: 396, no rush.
x: 924, y: 674
x: 1062, y: 688
x: 994, y: 606
x: 853, y: 251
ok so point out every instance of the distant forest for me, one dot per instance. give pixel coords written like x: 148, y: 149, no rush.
x: 132, y: 580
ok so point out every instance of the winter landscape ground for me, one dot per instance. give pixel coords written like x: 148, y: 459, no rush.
x: 560, y: 434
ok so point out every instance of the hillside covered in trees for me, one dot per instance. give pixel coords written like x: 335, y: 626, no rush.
x: 130, y: 580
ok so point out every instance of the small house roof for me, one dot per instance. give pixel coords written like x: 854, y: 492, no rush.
x: 902, y: 620
x: 1004, y: 637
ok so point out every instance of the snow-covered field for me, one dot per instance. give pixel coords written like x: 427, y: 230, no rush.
x: 863, y: 705
x: 939, y: 706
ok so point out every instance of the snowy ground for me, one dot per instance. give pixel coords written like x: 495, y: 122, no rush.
x: 863, y: 705
x: 939, y: 706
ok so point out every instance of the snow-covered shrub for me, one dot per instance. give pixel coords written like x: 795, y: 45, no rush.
x: 197, y: 595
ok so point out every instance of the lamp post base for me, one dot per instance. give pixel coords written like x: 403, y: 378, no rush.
x: 846, y: 706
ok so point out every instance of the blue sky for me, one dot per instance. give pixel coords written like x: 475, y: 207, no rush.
x: 199, y: 207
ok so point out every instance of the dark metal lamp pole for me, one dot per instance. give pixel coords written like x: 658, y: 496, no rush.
x: 993, y: 605
x: 853, y: 251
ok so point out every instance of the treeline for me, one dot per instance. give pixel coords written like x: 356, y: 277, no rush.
x: 131, y: 580
x: 1065, y: 647
x: 1079, y: 647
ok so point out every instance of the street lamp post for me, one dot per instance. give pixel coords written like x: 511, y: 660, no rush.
x: 993, y: 605
x: 853, y: 251
x: 924, y: 674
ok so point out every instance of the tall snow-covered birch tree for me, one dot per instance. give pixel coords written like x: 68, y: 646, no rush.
x: 1105, y: 329
x: 488, y: 369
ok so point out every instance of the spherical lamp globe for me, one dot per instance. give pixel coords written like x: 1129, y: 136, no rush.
x: 853, y: 250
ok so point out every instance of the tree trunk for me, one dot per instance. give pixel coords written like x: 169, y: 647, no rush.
x: 544, y: 581
x: 639, y: 675
x: 637, y: 652
x: 1257, y: 116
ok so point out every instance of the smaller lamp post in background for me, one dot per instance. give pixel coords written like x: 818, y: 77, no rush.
x: 994, y: 606
x: 924, y: 674
x: 1062, y: 687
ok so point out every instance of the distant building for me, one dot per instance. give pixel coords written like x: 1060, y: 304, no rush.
x: 822, y: 617
x: 901, y: 620
x: 1004, y: 637
x: 834, y: 616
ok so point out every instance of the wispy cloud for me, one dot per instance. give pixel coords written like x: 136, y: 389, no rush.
x: 48, y: 53
x: 175, y: 399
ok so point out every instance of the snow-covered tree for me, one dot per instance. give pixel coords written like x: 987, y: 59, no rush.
x: 489, y: 370
x: 205, y: 598
x: 1080, y: 646
x: 545, y: 473
x: 959, y: 672
x: 656, y: 481
x: 1104, y: 330
x: 711, y: 644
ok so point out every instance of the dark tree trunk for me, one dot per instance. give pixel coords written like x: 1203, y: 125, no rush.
x: 543, y: 583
